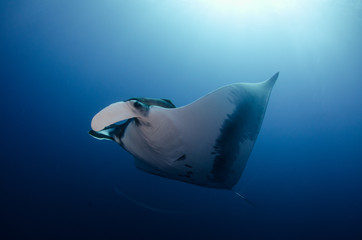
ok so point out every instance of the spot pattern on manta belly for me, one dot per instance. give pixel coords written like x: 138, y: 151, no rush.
x: 187, y: 175
x: 183, y: 157
x: 235, y: 129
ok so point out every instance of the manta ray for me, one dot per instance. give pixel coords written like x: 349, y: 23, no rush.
x: 206, y: 143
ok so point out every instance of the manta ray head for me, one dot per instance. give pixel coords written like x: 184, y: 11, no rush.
x: 111, y: 122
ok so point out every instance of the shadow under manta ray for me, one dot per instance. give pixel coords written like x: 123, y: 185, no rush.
x: 206, y: 142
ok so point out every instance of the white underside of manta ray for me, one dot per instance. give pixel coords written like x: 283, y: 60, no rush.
x: 207, y: 142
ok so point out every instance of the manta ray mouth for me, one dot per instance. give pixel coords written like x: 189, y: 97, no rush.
x: 115, y: 125
x: 112, y: 131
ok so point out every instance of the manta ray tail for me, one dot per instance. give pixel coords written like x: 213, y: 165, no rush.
x: 143, y: 205
x: 244, y: 198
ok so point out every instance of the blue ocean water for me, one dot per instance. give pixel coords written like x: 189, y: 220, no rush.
x: 63, y: 61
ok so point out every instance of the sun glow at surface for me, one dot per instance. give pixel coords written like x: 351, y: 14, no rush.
x: 244, y: 12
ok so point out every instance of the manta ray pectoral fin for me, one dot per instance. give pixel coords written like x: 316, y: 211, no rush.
x: 114, y: 113
x: 169, y: 102
x: 268, y: 84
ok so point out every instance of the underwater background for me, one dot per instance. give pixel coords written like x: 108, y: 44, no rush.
x: 63, y: 61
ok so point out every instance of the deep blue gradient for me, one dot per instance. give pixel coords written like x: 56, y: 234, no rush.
x: 63, y: 61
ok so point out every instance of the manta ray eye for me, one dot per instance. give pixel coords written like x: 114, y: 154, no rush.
x: 137, y: 105
x: 141, y: 107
